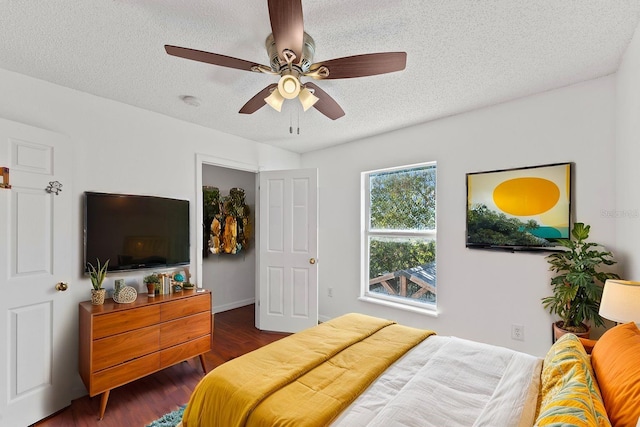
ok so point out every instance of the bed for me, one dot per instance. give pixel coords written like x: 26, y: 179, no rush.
x: 358, y: 370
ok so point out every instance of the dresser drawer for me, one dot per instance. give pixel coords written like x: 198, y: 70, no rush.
x: 173, y: 355
x: 125, y: 320
x: 120, y: 348
x: 122, y: 374
x: 185, y: 307
x: 185, y: 329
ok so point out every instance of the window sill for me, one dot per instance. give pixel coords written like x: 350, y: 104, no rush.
x: 404, y: 307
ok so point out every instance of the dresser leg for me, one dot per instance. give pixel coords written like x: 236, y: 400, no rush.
x: 103, y: 403
x: 204, y: 367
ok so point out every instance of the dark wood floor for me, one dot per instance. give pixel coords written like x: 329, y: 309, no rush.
x: 144, y: 400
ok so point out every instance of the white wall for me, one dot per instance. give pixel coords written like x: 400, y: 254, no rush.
x: 627, y: 207
x: 231, y: 278
x: 480, y: 293
x: 122, y: 149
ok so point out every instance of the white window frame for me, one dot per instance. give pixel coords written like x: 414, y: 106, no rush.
x: 376, y: 298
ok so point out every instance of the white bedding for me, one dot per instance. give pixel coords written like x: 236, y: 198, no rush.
x: 446, y: 381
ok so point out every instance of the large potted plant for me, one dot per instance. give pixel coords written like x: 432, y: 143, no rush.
x: 97, y: 275
x: 577, y: 288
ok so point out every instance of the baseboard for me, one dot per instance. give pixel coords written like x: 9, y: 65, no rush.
x: 232, y: 305
x: 322, y: 319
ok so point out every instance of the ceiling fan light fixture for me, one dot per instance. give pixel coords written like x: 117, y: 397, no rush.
x: 289, y: 86
x: 275, y: 100
x: 307, y: 99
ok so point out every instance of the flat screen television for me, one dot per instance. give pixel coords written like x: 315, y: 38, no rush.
x: 525, y: 208
x: 135, y: 232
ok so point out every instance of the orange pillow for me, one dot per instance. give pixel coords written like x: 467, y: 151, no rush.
x: 616, y: 362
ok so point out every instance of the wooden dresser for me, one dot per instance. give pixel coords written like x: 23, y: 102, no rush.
x: 120, y: 343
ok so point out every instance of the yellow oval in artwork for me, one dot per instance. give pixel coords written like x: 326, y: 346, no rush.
x: 526, y: 196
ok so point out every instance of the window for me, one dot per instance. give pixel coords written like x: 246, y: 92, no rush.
x: 399, y: 236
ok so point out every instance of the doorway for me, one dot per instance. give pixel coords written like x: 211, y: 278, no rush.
x: 231, y: 277
x: 288, y: 221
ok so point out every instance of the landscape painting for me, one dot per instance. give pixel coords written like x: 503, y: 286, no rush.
x: 519, y: 208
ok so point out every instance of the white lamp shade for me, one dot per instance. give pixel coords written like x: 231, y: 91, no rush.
x: 621, y: 301
x: 275, y: 100
x: 307, y: 99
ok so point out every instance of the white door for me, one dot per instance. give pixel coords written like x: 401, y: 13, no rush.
x: 38, y: 326
x: 288, y: 239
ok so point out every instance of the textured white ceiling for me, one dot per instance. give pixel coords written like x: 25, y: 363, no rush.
x: 462, y: 54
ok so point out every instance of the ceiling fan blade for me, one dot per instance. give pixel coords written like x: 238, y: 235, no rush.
x: 257, y: 102
x: 362, y: 65
x: 210, y: 58
x: 287, y: 26
x: 326, y: 104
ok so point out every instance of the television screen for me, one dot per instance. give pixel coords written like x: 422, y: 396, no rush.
x: 134, y: 232
x: 519, y: 209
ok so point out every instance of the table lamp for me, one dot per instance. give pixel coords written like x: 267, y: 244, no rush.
x: 621, y: 301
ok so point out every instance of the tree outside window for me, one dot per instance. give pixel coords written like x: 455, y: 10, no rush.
x: 400, y: 234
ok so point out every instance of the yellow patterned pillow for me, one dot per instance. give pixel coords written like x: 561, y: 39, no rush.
x: 569, y: 394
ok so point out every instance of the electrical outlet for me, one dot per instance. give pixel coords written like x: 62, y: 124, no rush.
x: 330, y: 292
x: 517, y: 332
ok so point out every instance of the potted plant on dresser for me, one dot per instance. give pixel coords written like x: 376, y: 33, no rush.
x: 97, y: 275
x: 153, y: 284
x: 577, y: 289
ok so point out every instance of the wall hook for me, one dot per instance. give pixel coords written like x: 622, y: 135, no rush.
x: 54, y: 187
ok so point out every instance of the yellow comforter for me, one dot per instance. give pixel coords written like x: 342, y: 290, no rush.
x: 305, y: 379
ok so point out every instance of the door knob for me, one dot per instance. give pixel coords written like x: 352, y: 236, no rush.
x: 312, y: 260
x: 61, y: 286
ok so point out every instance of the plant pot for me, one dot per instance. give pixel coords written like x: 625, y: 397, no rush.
x: 97, y: 296
x: 151, y: 290
x: 558, y: 331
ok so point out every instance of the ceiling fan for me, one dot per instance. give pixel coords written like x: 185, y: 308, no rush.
x: 291, y: 51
